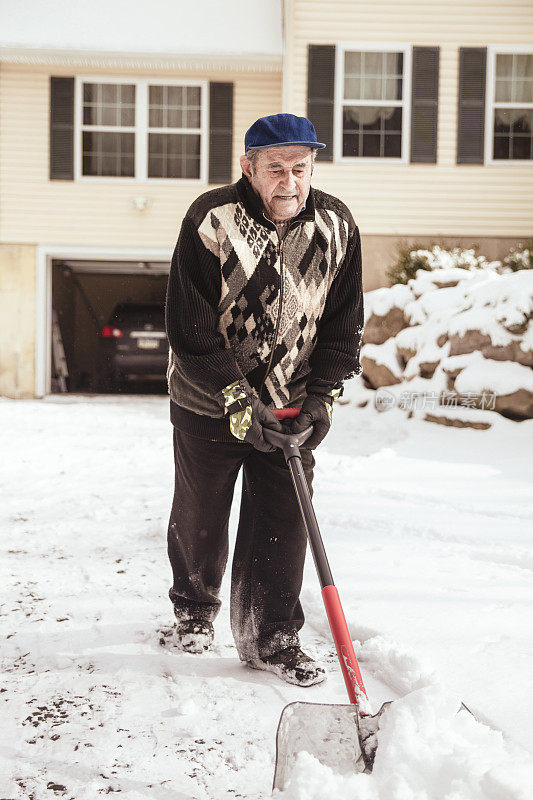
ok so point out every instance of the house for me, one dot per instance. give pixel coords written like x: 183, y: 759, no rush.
x: 113, y: 118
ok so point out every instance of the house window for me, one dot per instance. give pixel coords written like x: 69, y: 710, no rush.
x: 513, y: 107
x: 174, y: 115
x: 372, y: 104
x: 108, y: 129
x: 143, y: 129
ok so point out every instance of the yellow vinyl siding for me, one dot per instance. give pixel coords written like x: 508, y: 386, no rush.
x: 17, y: 312
x: 418, y: 199
x: 34, y: 209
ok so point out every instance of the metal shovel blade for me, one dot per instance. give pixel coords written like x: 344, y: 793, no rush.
x: 336, y: 735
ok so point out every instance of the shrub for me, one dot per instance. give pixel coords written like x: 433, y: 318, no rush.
x: 412, y: 258
x: 406, y: 264
x: 519, y: 257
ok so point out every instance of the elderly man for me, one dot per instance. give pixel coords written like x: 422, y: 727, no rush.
x: 264, y: 310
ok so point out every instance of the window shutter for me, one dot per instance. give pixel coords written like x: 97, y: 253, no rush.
x: 320, y: 95
x: 62, y: 129
x: 471, y: 111
x: 220, y: 132
x: 424, y: 105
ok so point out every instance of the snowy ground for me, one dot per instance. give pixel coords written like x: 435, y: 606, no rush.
x: 428, y: 531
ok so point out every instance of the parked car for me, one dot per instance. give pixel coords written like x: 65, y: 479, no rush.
x: 133, y: 345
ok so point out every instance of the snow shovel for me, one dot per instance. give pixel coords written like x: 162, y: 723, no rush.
x: 342, y: 736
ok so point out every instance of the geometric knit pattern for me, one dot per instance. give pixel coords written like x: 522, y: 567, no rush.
x: 273, y: 296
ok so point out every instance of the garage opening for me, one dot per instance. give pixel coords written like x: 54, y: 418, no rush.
x: 108, y: 326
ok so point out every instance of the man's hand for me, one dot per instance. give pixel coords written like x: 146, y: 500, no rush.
x: 317, y: 410
x: 248, y: 415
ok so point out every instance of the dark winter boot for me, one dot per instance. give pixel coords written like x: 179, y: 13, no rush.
x: 291, y: 665
x: 193, y: 635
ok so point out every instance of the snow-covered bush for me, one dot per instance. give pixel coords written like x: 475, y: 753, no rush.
x: 412, y: 259
x: 519, y: 257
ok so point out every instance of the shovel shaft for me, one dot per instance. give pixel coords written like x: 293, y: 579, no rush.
x: 311, y: 525
x: 336, y: 618
x: 290, y: 444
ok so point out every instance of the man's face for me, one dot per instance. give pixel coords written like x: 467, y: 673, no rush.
x: 282, y: 178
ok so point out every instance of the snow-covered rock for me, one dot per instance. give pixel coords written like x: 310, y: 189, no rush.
x: 448, y: 313
x: 460, y: 417
x: 511, y: 385
x: 380, y: 301
x: 384, y: 315
x: 380, y: 364
x: 444, y: 277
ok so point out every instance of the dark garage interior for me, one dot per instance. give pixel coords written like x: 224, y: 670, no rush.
x: 84, y: 295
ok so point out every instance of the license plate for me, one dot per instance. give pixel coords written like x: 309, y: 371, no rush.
x: 148, y: 344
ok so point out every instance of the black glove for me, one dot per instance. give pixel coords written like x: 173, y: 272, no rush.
x: 248, y: 415
x: 317, y: 410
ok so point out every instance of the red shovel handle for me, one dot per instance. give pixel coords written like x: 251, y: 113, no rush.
x: 285, y: 413
x: 343, y: 642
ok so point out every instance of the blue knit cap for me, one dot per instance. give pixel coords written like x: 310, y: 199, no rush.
x: 280, y: 130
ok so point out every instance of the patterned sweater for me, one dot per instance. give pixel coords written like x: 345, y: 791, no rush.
x: 240, y: 302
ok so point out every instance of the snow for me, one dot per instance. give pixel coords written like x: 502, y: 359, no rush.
x: 486, y: 374
x: 447, y: 266
x: 428, y: 533
x: 384, y: 354
x: 487, y: 302
x: 433, y: 301
x: 435, y: 752
x: 159, y: 26
x: 496, y: 304
x: 483, y: 300
x: 439, y: 273
x: 380, y: 301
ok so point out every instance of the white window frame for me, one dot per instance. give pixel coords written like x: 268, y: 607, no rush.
x: 490, y: 93
x: 140, y: 129
x: 386, y: 47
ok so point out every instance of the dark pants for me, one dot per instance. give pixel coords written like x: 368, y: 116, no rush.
x: 268, y: 561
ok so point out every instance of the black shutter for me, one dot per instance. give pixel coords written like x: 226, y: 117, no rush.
x: 471, y: 110
x: 62, y: 129
x: 220, y: 132
x: 320, y: 94
x: 424, y: 105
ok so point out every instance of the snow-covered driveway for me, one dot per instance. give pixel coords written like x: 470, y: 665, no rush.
x: 429, y: 535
